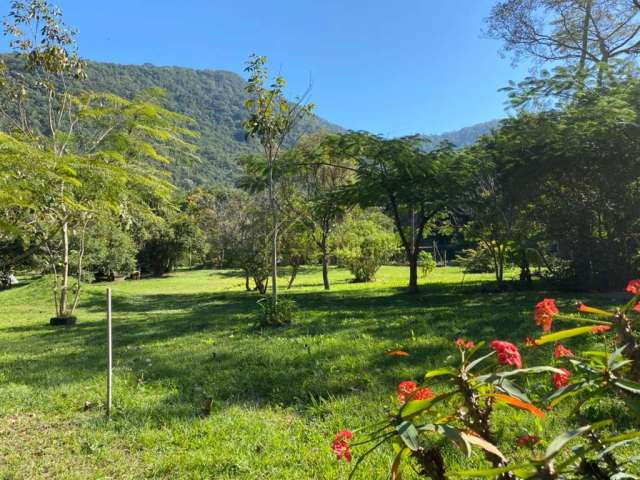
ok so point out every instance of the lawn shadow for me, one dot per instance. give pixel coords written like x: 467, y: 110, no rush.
x: 207, y: 344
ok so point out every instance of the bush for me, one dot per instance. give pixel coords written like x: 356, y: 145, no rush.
x: 427, y: 263
x: 462, y: 399
x: 271, y: 314
x: 476, y: 260
x: 364, y: 245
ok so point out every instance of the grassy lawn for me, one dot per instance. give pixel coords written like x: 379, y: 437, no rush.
x: 278, y: 396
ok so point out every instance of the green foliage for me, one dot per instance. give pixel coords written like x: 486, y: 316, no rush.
x: 365, y: 241
x: 176, y: 240
x: 109, y: 250
x: 476, y: 260
x: 462, y: 398
x: 427, y: 263
x: 417, y: 188
x: 272, y: 314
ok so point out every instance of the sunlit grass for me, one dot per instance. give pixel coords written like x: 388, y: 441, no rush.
x: 278, y: 396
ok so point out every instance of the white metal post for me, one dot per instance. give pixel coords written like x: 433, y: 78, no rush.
x: 109, y: 354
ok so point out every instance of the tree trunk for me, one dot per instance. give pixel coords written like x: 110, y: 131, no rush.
x: 64, y: 290
x: 274, y: 249
x: 325, y: 266
x: 413, y: 272
x: 247, y: 286
x: 294, y: 273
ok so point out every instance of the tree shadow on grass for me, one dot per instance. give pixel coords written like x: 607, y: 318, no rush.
x: 206, y: 344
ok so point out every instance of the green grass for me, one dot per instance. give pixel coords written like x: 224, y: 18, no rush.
x: 278, y: 395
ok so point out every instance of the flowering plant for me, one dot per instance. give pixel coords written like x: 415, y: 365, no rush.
x: 458, y: 403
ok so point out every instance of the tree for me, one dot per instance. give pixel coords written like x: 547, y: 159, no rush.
x: 571, y: 173
x: 574, y: 32
x: 110, y: 250
x: 97, y: 153
x: 272, y: 118
x: 324, y: 172
x: 416, y: 187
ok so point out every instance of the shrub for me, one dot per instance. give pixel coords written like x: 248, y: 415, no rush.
x: 476, y: 260
x: 427, y: 263
x: 463, y: 397
x: 271, y: 314
x: 364, y: 245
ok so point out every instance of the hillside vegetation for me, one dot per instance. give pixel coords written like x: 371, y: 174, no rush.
x: 213, y: 98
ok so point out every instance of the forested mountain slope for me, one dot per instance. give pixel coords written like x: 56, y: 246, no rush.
x: 214, y: 98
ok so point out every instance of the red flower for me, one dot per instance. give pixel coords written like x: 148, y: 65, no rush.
x: 528, y: 440
x: 562, y: 351
x: 561, y: 379
x: 637, y: 307
x: 405, y: 389
x: 341, y: 446
x: 462, y: 343
x: 544, y: 313
x: 634, y: 287
x: 600, y: 328
x: 423, y: 393
x: 508, y: 353
x: 531, y: 342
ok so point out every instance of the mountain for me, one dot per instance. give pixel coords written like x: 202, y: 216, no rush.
x: 214, y: 98
x: 465, y: 136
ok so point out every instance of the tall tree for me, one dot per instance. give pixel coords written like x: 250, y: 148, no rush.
x: 324, y: 172
x: 577, y: 32
x: 416, y: 187
x: 272, y: 118
x: 97, y: 153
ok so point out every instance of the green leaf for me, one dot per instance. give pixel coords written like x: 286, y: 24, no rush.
x: 441, y: 372
x: 563, y: 334
x: 453, y: 434
x: 561, y: 440
x: 492, y: 378
x: 615, y: 355
x: 478, y: 360
x: 564, y: 392
x: 409, y: 435
x: 509, y: 388
x: 520, y: 470
x: 629, y: 386
x: 415, y: 407
x: 395, y: 468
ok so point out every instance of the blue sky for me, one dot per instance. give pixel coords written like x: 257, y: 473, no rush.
x: 390, y: 67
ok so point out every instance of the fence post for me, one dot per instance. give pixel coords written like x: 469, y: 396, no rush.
x: 109, y: 355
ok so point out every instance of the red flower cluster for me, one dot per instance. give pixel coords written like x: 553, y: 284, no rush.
x: 528, y: 440
x: 601, y: 328
x: 562, y: 351
x: 341, y: 446
x: 561, y: 379
x: 634, y: 287
x: 408, y: 390
x: 423, y: 393
x: 544, y: 313
x: 405, y: 389
x: 508, y: 353
x: 462, y: 343
x: 637, y: 308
